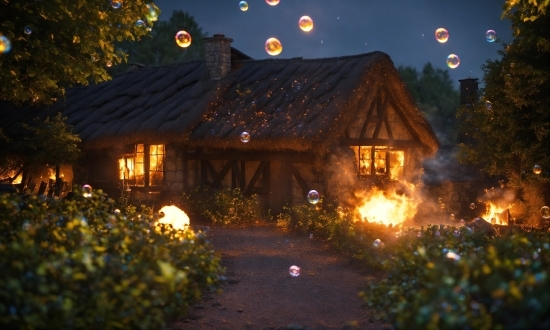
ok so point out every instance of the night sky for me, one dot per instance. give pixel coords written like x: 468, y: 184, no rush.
x: 404, y: 29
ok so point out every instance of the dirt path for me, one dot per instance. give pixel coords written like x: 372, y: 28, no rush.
x: 261, y: 294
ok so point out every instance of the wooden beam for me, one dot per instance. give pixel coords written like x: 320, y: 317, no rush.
x: 381, y: 142
x: 255, y: 177
x: 237, y: 176
x: 388, y: 128
x: 404, y: 120
x: 381, y: 116
x: 300, y: 180
x: 218, y: 178
x: 369, y: 115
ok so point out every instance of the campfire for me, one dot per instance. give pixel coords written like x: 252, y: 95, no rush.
x: 497, y: 214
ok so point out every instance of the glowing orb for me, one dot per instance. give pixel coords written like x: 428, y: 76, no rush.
x: 108, y: 64
x: 537, y: 169
x: 294, y: 271
x: 273, y: 46
x: 5, y: 44
x: 27, y: 29
x: 272, y: 2
x: 472, y: 206
x: 441, y: 35
x: 453, y: 61
x: 243, y: 5
x: 116, y: 211
x: 174, y: 216
x: 116, y: 4
x: 377, y: 243
x: 313, y: 197
x: 305, y: 23
x: 183, y: 39
x: 87, y: 190
x: 452, y: 255
x: 491, y: 35
x: 545, y: 212
x: 245, y: 137
x: 488, y: 105
x: 140, y: 23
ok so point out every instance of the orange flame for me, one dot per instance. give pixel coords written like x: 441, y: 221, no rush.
x: 388, y: 207
x: 496, y: 214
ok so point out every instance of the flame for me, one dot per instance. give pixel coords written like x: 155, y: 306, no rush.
x: 174, y: 216
x: 496, y: 214
x: 388, y: 207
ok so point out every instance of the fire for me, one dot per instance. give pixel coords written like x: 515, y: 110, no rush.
x: 174, y: 216
x: 496, y: 214
x: 388, y: 207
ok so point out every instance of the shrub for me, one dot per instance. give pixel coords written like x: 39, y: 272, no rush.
x: 80, y: 263
x: 222, y: 206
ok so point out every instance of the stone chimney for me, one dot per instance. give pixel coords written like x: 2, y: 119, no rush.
x: 468, y: 91
x: 218, y: 55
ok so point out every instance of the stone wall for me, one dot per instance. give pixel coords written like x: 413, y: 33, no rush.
x: 456, y: 196
x: 173, y: 170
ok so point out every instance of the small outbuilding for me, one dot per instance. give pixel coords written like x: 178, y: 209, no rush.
x: 329, y: 124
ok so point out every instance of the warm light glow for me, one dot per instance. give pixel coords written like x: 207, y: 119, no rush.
x: 379, y: 160
x: 497, y: 215
x: 18, y: 179
x: 156, y: 164
x: 397, y: 162
x: 174, y: 216
x: 387, y: 207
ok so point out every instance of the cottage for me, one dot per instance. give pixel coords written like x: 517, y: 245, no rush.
x: 327, y: 124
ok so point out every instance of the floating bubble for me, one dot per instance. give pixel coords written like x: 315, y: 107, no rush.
x: 452, y: 255
x: 545, y: 212
x: 491, y: 35
x: 472, y: 205
x: 27, y: 29
x: 305, y: 23
x: 243, y: 5
x: 245, y: 137
x: 273, y: 46
x: 272, y: 2
x: 537, y: 169
x: 294, y: 271
x: 377, y: 243
x: 488, y: 105
x: 140, y: 23
x: 441, y: 35
x: 453, y: 61
x: 108, y: 64
x: 87, y: 190
x: 5, y: 44
x: 183, y: 39
x: 116, y: 211
x: 321, y: 41
x: 437, y: 233
x: 116, y: 4
x: 313, y: 197
x: 456, y: 233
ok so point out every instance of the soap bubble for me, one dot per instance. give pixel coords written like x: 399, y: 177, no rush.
x: 140, y: 23
x: 545, y: 212
x: 5, y: 44
x: 377, y: 243
x: 245, y: 137
x: 313, y: 197
x: 453, y: 61
x: 472, y: 205
x: 272, y: 2
x: 441, y: 35
x: 27, y: 29
x: 87, y: 190
x: 108, y: 63
x: 243, y: 5
x: 294, y: 271
x: 116, y: 211
x: 491, y: 35
x: 183, y: 39
x: 537, y: 169
x: 273, y: 46
x: 305, y: 23
x: 452, y: 255
x: 488, y: 105
x: 116, y: 4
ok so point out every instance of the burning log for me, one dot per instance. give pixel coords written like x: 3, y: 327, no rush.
x: 480, y: 224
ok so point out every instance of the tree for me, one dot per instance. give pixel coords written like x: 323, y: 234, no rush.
x: 510, y: 127
x: 433, y: 91
x: 55, y: 44
x: 160, y: 47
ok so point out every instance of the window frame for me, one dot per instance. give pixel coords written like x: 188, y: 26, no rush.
x: 374, y: 171
x: 144, y: 161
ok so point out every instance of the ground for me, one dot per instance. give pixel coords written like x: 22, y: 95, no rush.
x: 261, y: 294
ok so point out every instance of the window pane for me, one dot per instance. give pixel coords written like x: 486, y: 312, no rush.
x: 397, y: 162
x: 139, y: 166
x: 380, y: 161
x: 156, y: 164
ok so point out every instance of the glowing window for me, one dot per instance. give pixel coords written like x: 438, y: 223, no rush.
x: 138, y: 170
x: 380, y: 161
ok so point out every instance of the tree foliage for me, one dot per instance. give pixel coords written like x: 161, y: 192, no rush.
x: 70, y: 42
x: 159, y: 47
x: 510, y: 126
x: 433, y: 91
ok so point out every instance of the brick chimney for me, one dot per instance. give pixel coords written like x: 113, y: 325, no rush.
x: 468, y: 91
x: 218, y: 55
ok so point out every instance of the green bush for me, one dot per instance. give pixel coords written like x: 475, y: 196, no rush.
x: 222, y: 206
x: 80, y: 263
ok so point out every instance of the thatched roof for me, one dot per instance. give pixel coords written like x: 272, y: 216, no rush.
x: 285, y: 104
